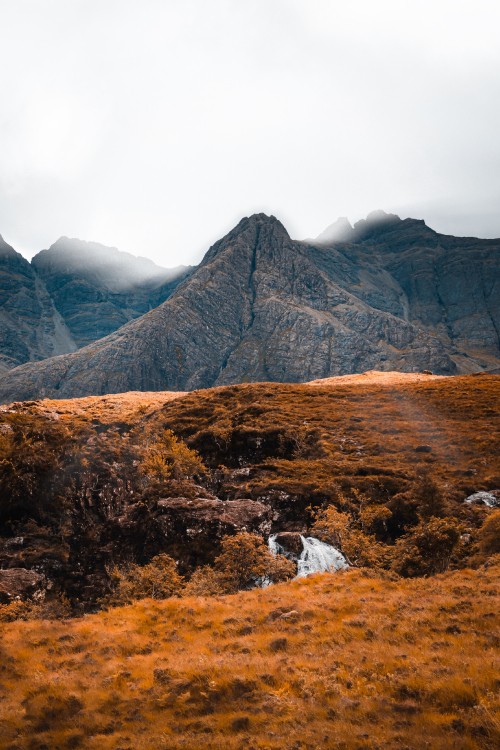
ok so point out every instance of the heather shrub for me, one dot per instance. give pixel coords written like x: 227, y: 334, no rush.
x: 57, y: 608
x: 339, y: 529
x: 158, y: 579
x: 246, y: 561
x: 427, y: 549
x: 168, y: 457
x: 205, y: 581
x: 374, y: 519
x: 404, y: 514
x: 489, y: 535
x: 429, y: 497
x: 31, y: 451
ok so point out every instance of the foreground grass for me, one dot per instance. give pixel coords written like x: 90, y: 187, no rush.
x: 350, y: 660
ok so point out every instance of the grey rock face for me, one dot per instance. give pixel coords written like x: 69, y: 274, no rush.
x: 262, y: 307
x: 30, y: 326
x: 491, y: 499
x: 97, y: 289
x: 72, y: 294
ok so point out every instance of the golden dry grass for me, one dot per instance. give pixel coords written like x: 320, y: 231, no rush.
x: 372, y: 432
x: 378, y: 377
x: 348, y: 661
x: 110, y: 408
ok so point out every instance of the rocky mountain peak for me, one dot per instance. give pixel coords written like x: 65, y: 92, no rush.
x: 109, y: 267
x: 258, y: 232
x: 375, y: 222
x: 256, y: 224
x: 340, y: 231
x: 6, y: 249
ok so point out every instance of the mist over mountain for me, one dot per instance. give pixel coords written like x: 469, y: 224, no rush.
x: 72, y: 294
x: 392, y: 295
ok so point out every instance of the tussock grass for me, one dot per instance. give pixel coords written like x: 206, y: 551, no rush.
x: 351, y: 660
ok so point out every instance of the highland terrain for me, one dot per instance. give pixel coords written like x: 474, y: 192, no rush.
x: 398, y: 651
x: 199, y: 433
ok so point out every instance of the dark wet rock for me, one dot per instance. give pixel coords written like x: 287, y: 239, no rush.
x: 19, y: 583
x: 291, y: 541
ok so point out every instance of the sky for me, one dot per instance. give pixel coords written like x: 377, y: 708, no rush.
x: 155, y: 125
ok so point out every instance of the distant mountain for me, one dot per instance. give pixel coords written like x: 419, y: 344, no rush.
x: 30, y: 326
x: 72, y: 294
x: 395, y: 296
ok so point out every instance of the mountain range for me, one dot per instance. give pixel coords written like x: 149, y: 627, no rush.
x: 386, y: 294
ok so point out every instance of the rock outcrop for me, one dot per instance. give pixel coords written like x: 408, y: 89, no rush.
x: 490, y: 499
x: 262, y: 307
x: 19, y: 583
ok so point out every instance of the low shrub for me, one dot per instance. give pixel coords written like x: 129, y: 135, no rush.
x: 246, y: 562
x: 340, y: 530
x: 168, y: 457
x: 489, y: 535
x: 158, y: 579
x: 427, y: 549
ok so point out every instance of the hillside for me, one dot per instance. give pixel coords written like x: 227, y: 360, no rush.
x: 262, y: 307
x: 91, y: 483
x: 72, y: 294
x: 351, y: 661
x: 400, y: 650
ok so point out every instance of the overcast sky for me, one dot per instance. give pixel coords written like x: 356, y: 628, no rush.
x: 155, y: 125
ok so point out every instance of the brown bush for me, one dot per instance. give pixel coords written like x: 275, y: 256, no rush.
x: 205, y: 581
x: 57, y: 608
x: 246, y: 562
x: 427, y: 549
x: 158, y: 579
x: 489, y: 535
x: 168, y: 457
x: 339, y: 529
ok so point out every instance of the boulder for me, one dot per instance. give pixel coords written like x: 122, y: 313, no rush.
x: 491, y: 499
x: 291, y: 542
x: 19, y: 583
x: 192, y: 529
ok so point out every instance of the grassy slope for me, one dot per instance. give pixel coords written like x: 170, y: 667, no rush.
x: 349, y: 660
x: 368, y: 662
x: 367, y: 429
x: 366, y: 426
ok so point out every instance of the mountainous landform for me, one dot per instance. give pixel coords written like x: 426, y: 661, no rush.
x: 391, y: 294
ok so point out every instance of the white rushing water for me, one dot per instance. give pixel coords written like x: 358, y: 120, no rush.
x: 316, y: 556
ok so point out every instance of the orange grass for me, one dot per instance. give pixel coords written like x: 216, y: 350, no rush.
x: 363, y: 662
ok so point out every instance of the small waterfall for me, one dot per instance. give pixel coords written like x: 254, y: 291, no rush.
x: 316, y: 556
x: 274, y: 547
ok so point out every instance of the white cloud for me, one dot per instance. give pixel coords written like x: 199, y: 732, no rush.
x: 154, y: 126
